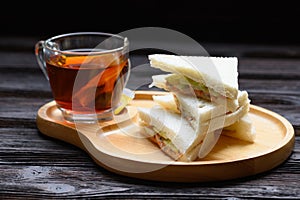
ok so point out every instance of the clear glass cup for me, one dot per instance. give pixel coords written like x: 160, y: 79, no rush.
x: 87, y: 72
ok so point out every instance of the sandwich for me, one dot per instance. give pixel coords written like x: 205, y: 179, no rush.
x: 183, y: 85
x: 170, y: 132
x: 196, y: 110
x: 211, y: 78
x: 203, y: 98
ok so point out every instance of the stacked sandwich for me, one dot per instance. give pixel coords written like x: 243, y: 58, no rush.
x: 202, y: 101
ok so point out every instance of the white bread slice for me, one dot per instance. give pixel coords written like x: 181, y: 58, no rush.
x: 218, y: 73
x: 160, y: 82
x: 224, y: 120
x: 167, y: 101
x: 199, y: 111
x: 243, y: 129
x: 176, y: 129
x: 172, y: 125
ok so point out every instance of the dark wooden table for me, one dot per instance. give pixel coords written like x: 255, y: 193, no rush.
x: 35, y: 166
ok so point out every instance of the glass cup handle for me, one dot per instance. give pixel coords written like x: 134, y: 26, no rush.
x: 39, y: 53
x: 128, y: 72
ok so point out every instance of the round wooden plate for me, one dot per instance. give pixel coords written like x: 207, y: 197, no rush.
x: 119, y: 147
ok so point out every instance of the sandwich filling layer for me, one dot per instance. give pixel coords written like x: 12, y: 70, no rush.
x: 165, y: 144
x: 159, y: 138
x: 188, y: 86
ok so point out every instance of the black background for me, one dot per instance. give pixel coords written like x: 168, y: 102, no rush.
x: 267, y: 22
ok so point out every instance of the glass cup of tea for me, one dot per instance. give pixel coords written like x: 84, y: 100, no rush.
x: 87, y: 72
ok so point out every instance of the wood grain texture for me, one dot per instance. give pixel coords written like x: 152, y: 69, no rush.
x: 37, y: 166
x: 34, y: 166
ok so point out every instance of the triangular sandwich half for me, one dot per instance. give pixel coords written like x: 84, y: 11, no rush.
x: 216, y: 75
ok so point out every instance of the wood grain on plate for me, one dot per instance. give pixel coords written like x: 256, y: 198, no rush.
x: 119, y: 147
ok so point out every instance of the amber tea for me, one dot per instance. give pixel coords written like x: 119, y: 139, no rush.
x: 87, y: 83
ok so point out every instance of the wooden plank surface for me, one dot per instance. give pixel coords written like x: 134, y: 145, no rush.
x: 35, y: 166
